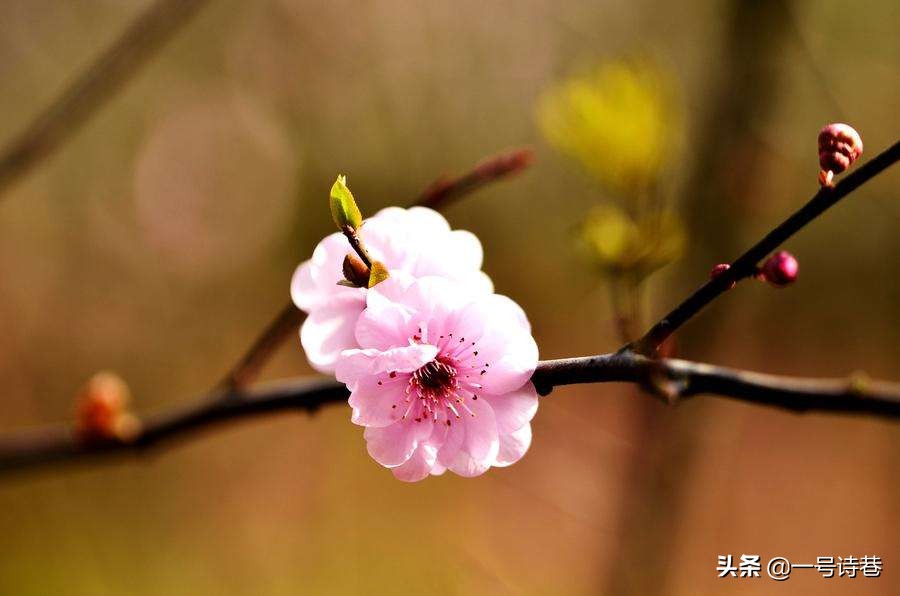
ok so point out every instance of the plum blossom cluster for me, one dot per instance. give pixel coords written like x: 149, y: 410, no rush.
x: 438, y: 366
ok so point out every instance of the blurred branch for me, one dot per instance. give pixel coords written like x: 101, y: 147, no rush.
x: 439, y: 194
x: 252, y: 362
x: 671, y: 380
x: 444, y: 190
x: 94, y: 86
x: 61, y: 443
x: 746, y: 265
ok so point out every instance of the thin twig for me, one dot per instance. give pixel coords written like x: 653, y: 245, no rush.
x: 671, y: 380
x: 444, y: 190
x: 746, y: 265
x: 93, y: 87
x: 356, y: 243
x: 252, y: 362
x: 438, y: 195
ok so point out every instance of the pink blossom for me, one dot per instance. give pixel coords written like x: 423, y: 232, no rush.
x: 442, y: 378
x: 416, y: 241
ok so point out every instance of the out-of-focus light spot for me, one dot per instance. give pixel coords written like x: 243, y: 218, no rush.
x: 213, y: 185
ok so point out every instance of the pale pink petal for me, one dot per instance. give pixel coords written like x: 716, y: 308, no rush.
x: 394, y: 244
x: 513, y: 446
x: 481, y: 435
x: 466, y: 259
x: 377, y: 405
x: 479, y: 282
x: 466, y: 250
x: 387, y: 322
x: 405, y: 359
x: 314, y: 283
x: 434, y: 299
x: 356, y: 364
x: 467, y: 466
x: 392, y: 445
x: 514, y: 369
x: 514, y: 409
x: 419, y: 465
x: 428, y: 220
x: 496, y: 318
x: 450, y: 443
x: 327, y: 331
x: 420, y: 219
x: 499, y: 351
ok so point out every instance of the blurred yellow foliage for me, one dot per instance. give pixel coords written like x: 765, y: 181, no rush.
x: 619, y: 244
x: 618, y: 120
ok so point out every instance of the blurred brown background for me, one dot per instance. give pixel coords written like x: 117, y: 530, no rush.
x: 162, y: 237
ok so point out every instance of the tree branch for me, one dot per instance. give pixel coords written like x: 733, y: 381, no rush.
x: 674, y: 380
x: 746, y: 265
x: 94, y: 86
x: 444, y: 190
x: 261, y: 351
x: 61, y: 443
x: 670, y: 380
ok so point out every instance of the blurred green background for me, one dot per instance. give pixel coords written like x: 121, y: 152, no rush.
x: 162, y: 237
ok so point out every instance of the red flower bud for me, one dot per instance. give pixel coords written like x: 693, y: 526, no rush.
x: 780, y: 269
x: 839, y: 147
x: 355, y: 271
x: 101, y: 410
x: 719, y: 270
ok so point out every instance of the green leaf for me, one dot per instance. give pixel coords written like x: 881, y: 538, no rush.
x: 377, y: 274
x: 344, y: 210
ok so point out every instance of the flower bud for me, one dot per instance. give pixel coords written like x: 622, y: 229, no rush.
x: 780, y: 269
x: 355, y: 271
x: 839, y: 146
x: 719, y: 270
x: 101, y: 410
x: 344, y: 210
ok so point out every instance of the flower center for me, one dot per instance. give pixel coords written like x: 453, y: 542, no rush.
x: 435, y: 377
x: 438, y: 391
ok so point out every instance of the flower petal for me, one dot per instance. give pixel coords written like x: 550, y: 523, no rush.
x: 506, y: 352
x: 328, y: 330
x: 513, y: 409
x: 513, y: 446
x: 314, y: 283
x: 356, y: 364
x: 467, y: 466
x: 393, y: 445
x: 481, y: 437
x: 514, y: 369
x: 378, y: 405
x: 419, y: 465
x: 387, y: 320
x: 466, y: 250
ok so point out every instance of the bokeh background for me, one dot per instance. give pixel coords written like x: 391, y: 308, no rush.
x: 162, y: 237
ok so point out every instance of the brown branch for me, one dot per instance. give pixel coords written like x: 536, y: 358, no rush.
x: 61, y: 443
x: 250, y: 365
x: 671, y: 380
x: 746, y: 265
x: 94, y: 86
x: 674, y: 380
x: 444, y: 190
x: 438, y: 195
